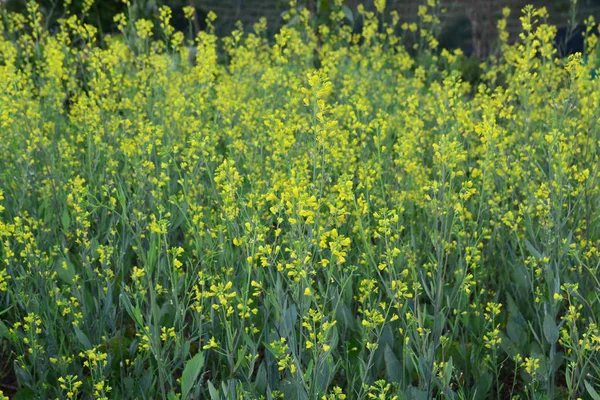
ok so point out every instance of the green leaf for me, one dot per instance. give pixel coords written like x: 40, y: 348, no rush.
x: 214, y: 394
x: 65, y: 219
x: 147, y: 381
x: 190, y: 374
x: 593, y: 394
x: 534, y: 252
x: 295, y: 20
x: 484, y: 384
x: 416, y: 393
x: 392, y: 365
x: 134, y: 313
x: 514, y: 310
x: 521, y: 277
x: 308, y: 370
x: 24, y: 394
x: 448, y: 372
x: 23, y: 377
x: 153, y: 253
x: 289, y: 316
x: 260, y: 384
x: 324, y: 374
x: 4, y: 332
x: 386, y: 339
x: 550, y: 329
x: 514, y: 330
x: 344, y: 317
x: 83, y: 339
x: 348, y: 14
x: 557, y: 361
x: 172, y: 396
x: 293, y: 390
x: 242, y: 350
x: 66, y: 275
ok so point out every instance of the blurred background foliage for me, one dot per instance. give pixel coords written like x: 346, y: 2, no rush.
x: 466, y: 24
x: 102, y: 12
x: 465, y: 21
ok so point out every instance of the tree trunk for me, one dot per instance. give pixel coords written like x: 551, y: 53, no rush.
x: 483, y: 25
x: 192, y: 4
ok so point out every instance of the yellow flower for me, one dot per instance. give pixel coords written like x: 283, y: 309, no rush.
x: 531, y: 365
x: 188, y: 12
x: 212, y: 344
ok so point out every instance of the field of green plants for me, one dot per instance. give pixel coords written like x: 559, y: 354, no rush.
x: 325, y: 213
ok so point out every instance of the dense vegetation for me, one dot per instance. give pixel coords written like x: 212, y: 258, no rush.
x: 323, y: 215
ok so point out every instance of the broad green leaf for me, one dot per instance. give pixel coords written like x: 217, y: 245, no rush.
x: 172, y: 396
x: 4, y: 332
x: 484, y: 384
x: 134, y: 313
x: 520, y: 276
x: 145, y: 384
x: 348, y: 14
x: 82, y: 337
x: 65, y: 219
x: 344, y: 317
x: 448, y: 372
x: 294, y: 390
x: 514, y: 330
x: 24, y: 394
x: 534, y: 252
x: 392, y: 365
x: 65, y: 271
x: 241, y: 358
x: 324, y: 374
x: 260, y: 384
x: 416, y: 393
x: 190, y: 374
x: 214, y: 393
x: 593, y: 393
x: 550, y: 329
